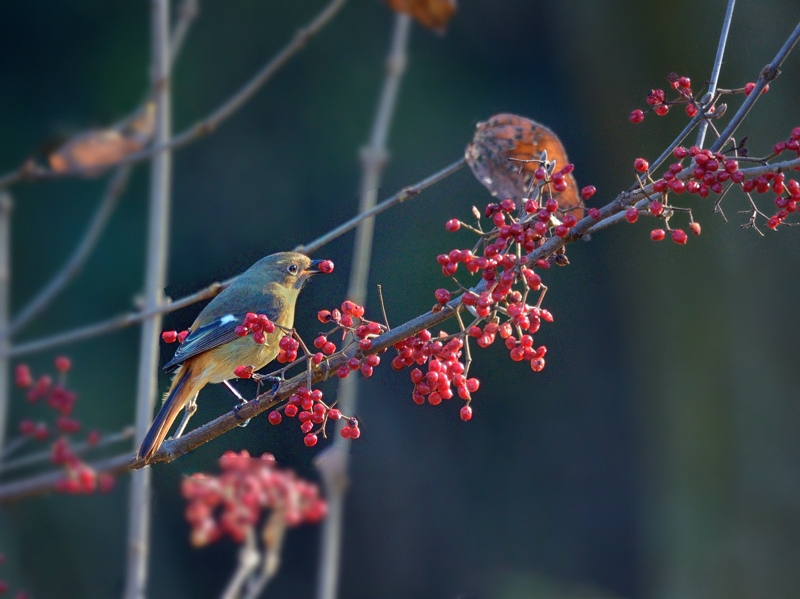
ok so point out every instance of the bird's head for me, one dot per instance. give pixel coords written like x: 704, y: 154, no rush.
x: 289, y: 269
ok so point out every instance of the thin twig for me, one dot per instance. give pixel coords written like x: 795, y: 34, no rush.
x: 126, y: 320
x: 383, y: 308
x: 273, y: 534
x: 80, y: 254
x: 77, y: 449
x: 6, y: 206
x: 187, y: 13
x: 249, y: 557
x: 768, y: 73
x: 208, y: 124
x: 712, y: 84
x: 155, y: 280
x: 373, y: 160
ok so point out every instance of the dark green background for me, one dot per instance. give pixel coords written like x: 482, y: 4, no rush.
x: 657, y: 455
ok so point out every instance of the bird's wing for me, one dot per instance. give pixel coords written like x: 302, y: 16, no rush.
x: 210, y: 335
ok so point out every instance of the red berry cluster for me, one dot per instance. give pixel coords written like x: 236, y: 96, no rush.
x: 349, y: 319
x: 445, y: 369
x: 259, y: 325
x: 173, y: 336
x: 235, y: 501
x: 311, y: 411
x: 714, y: 172
x: 657, y: 99
x: 79, y: 478
x: 4, y: 586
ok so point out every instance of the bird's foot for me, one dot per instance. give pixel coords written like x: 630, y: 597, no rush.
x: 274, y: 381
x: 236, y: 409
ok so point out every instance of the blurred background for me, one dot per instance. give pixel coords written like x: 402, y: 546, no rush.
x: 656, y: 456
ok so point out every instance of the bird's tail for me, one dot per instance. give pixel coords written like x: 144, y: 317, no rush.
x: 177, y: 397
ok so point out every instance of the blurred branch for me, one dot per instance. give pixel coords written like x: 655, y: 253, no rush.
x: 245, y: 565
x: 155, y: 280
x: 76, y: 261
x: 31, y: 172
x: 187, y: 13
x: 712, y: 84
x: 6, y: 206
x: 332, y: 464
x: 126, y: 320
x: 78, y: 449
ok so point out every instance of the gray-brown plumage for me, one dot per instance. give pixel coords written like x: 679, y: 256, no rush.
x: 212, y: 350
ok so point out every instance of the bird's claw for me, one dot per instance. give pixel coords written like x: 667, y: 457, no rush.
x: 236, y: 409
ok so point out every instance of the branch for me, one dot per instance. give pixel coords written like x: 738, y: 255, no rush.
x: 78, y: 449
x: 31, y: 172
x: 155, y: 279
x: 768, y: 73
x: 126, y: 320
x: 6, y: 206
x: 75, y: 263
x: 332, y: 464
x: 712, y: 84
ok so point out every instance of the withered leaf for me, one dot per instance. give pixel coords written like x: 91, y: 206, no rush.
x: 505, y: 139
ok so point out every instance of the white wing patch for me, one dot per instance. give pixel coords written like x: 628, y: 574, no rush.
x: 226, y: 319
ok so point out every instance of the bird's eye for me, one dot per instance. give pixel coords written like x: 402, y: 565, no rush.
x: 292, y: 269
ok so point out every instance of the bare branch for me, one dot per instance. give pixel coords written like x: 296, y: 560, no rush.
x: 155, y: 280
x: 373, y: 160
x: 126, y: 320
x: 6, y: 205
x: 712, y: 84
x: 768, y: 73
x: 76, y: 261
x: 31, y: 172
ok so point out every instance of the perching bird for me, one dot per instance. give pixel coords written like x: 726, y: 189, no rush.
x: 213, y: 350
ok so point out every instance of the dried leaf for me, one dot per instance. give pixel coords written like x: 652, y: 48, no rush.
x: 433, y: 14
x: 501, y: 142
x: 94, y: 150
x: 98, y: 149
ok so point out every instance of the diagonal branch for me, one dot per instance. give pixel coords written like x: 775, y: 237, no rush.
x: 126, y: 320
x: 30, y: 172
x: 74, y: 264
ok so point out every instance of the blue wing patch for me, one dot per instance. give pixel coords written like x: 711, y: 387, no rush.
x: 217, y: 332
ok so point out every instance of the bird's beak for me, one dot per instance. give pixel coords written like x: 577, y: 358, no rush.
x: 313, y: 268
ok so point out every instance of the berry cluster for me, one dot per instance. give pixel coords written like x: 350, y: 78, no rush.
x: 712, y: 172
x: 79, y: 478
x: 499, y: 303
x: 4, y: 586
x: 173, y: 336
x: 311, y: 411
x: 715, y: 172
x: 235, y: 501
x: 259, y: 325
x: 657, y: 99
x: 444, y: 370
x: 307, y: 404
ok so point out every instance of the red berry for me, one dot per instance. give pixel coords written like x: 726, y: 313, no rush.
x: 679, y: 236
x: 588, y: 191
x: 243, y: 372
x: 274, y: 417
x: 657, y: 234
x: 691, y: 110
x: 685, y: 82
x: 169, y: 336
x: 561, y: 230
x: 570, y: 221
x: 748, y: 88
x: 453, y: 225
x: 310, y: 440
x: 473, y: 384
x: 656, y: 208
x: 594, y: 213
x: 695, y: 228
x: 63, y: 364
x: 641, y: 165
x: 655, y: 96
x: 355, y: 432
x: 661, y: 109
x: 442, y: 296
x: 465, y: 413
x: 637, y: 116
x: 22, y: 376
x: 680, y: 152
x: 631, y: 215
x: 182, y: 335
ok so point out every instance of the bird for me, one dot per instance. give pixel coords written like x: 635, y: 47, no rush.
x: 213, y: 348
